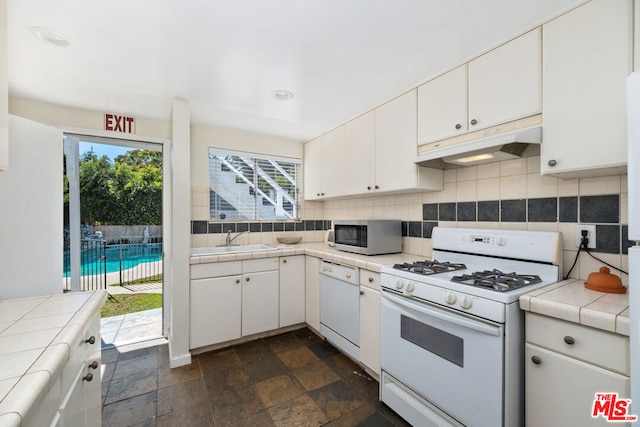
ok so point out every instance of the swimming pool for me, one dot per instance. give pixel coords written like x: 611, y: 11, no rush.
x: 132, y: 255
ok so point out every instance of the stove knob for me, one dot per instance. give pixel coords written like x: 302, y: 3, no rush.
x: 450, y: 298
x: 348, y: 275
x: 410, y: 287
x: 466, y: 302
x: 399, y: 284
x: 502, y: 241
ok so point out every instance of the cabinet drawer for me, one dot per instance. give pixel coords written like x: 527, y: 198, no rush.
x: 216, y: 269
x: 601, y: 348
x: 261, y: 264
x: 370, y: 279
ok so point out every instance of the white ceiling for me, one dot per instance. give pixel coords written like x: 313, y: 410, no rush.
x: 340, y: 58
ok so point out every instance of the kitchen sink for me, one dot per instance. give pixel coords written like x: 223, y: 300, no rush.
x: 230, y: 249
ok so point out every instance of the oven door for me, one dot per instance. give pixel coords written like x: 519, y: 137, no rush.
x: 452, y: 360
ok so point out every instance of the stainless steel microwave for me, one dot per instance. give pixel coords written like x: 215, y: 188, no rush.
x: 368, y: 237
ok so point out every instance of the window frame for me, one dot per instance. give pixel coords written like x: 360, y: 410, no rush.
x: 255, y: 157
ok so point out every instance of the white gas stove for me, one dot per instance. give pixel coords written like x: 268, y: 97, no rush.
x: 456, y: 320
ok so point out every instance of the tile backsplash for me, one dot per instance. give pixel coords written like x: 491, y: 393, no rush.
x: 505, y: 195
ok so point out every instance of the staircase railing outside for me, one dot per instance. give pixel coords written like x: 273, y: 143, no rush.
x: 273, y: 193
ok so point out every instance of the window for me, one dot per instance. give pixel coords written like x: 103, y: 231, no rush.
x: 248, y: 187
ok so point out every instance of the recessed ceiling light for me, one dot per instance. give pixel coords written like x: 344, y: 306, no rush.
x: 50, y: 37
x: 282, y: 95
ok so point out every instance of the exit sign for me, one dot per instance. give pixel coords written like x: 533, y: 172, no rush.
x: 117, y: 123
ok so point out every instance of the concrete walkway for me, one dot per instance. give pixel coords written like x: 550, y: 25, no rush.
x: 132, y: 327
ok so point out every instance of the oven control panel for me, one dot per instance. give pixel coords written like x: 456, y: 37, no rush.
x: 488, y: 240
x: 459, y: 301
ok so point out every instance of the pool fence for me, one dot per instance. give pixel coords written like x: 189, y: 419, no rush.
x: 126, y: 261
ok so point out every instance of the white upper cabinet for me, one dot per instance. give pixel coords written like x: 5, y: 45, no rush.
x: 500, y: 86
x: 587, y: 57
x: 323, y: 165
x: 442, y: 106
x: 333, y: 163
x: 372, y: 153
x: 359, y: 154
x: 313, y: 169
x: 395, y: 130
x: 505, y: 83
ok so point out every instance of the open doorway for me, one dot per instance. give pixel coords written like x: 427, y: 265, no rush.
x: 113, y: 232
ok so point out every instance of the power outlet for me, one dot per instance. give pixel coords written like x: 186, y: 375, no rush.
x: 591, y: 235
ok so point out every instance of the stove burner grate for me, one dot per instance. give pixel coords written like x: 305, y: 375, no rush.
x: 429, y: 267
x: 497, y: 280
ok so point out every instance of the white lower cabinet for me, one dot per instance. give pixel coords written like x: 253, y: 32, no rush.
x: 75, y: 398
x: 312, y: 292
x: 260, y: 302
x: 370, y: 327
x: 566, y: 364
x: 560, y: 390
x: 73, y: 411
x: 216, y: 305
x: 292, y: 290
x: 234, y: 299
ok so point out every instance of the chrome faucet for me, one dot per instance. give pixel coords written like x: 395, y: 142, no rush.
x: 231, y: 239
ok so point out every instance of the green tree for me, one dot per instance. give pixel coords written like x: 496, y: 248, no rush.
x: 126, y: 192
x: 96, y: 199
x: 137, y: 187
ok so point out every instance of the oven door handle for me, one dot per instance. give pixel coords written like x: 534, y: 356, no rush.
x: 442, y: 315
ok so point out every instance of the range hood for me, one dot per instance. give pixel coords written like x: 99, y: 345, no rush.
x: 514, y: 144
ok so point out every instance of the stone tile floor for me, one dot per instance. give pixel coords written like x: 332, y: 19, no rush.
x: 293, y: 379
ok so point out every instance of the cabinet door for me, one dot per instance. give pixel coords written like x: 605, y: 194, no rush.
x: 92, y: 389
x: 72, y: 409
x: 370, y: 328
x: 260, y: 302
x: 312, y: 292
x: 505, y: 83
x: 396, y: 147
x: 560, y: 390
x: 313, y: 169
x: 587, y: 57
x: 359, y: 153
x: 292, y: 292
x: 333, y: 163
x: 442, y: 106
x: 215, y: 310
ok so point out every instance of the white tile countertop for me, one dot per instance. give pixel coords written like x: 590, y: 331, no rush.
x: 36, y: 335
x: 318, y: 250
x: 570, y: 300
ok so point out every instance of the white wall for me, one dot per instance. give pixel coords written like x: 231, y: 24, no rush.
x: 4, y: 88
x: 31, y: 212
x: 180, y: 248
x: 204, y: 137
